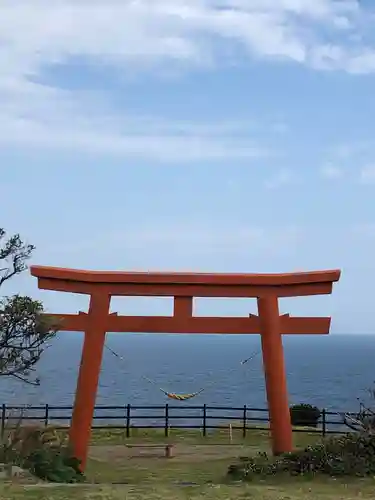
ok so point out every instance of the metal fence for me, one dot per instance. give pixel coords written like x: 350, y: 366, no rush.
x: 204, y: 418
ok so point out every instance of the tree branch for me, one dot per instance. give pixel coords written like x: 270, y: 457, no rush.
x: 15, y: 253
x: 24, y: 332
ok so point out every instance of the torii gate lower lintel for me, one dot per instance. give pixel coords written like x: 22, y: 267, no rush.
x: 183, y: 287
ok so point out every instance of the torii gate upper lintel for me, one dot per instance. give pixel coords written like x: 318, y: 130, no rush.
x: 183, y: 287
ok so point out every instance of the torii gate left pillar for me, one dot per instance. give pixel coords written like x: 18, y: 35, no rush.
x: 88, y: 375
x: 267, y: 288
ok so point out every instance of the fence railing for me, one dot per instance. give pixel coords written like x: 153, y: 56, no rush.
x: 126, y: 417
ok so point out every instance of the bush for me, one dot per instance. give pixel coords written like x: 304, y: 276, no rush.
x: 260, y: 465
x: 55, y: 465
x: 41, y: 451
x: 305, y: 414
x: 349, y: 455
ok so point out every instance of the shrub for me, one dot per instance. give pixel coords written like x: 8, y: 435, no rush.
x: 349, y: 455
x: 305, y: 414
x: 247, y: 468
x: 55, y: 465
x: 41, y: 451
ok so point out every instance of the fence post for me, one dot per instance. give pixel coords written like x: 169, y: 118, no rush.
x: 166, y: 426
x: 204, y: 420
x: 3, y: 417
x: 244, y: 421
x: 128, y: 407
x: 324, y: 423
x: 46, y: 415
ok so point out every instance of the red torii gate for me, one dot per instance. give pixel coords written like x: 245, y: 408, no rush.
x: 267, y: 288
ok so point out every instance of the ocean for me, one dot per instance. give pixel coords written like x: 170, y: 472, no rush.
x: 331, y: 371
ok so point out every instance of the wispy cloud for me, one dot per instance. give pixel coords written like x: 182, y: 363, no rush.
x: 187, y: 238
x: 367, y: 174
x: 282, y: 178
x: 351, y: 161
x: 46, y: 33
x: 36, y: 116
x: 352, y: 150
x: 155, y: 35
x: 331, y: 171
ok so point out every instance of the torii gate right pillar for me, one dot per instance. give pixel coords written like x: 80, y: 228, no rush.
x: 275, y: 375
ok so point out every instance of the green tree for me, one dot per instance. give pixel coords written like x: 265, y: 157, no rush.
x: 24, y: 332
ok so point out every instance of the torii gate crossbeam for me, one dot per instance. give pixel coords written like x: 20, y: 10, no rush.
x: 183, y: 287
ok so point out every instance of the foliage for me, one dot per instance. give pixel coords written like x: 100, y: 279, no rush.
x: 247, y: 468
x: 364, y: 420
x: 304, y: 414
x: 24, y: 335
x: 352, y: 454
x: 41, y: 451
x: 55, y: 465
x: 348, y: 455
x: 24, y: 331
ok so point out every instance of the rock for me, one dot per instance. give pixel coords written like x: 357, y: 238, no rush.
x: 9, y: 471
x: 19, y: 472
x: 5, y: 471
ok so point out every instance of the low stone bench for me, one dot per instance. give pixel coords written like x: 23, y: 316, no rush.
x: 168, y: 448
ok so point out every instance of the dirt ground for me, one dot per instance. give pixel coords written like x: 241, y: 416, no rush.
x: 181, y: 452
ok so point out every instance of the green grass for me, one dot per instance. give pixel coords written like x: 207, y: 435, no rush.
x: 196, y: 472
x: 197, y: 459
x: 257, y: 437
x: 296, y: 490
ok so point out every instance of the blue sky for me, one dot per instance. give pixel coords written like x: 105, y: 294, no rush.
x: 202, y: 135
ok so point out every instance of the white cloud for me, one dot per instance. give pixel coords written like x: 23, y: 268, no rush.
x: 36, y: 116
x: 367, y: 174
x: 352, y: 150
x: 186, y: 239
x: 93, y: 138
x: 282, y: 178
x: 331, y: 171
x: 137, y: 31
x: 280, y: 127
x: 150, y: 34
